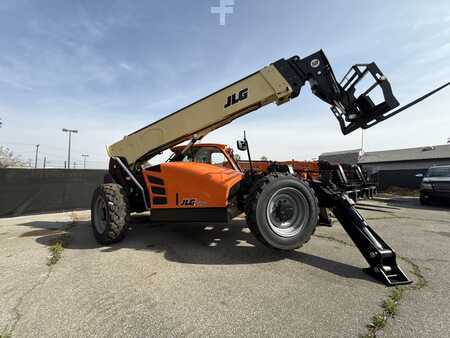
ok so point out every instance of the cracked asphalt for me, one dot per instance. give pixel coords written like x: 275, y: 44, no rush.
x: 216, y: 280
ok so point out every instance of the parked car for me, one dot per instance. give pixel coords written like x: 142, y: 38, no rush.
x: 435, y: 184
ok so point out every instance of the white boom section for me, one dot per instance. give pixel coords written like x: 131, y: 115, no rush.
x: 198, y: 119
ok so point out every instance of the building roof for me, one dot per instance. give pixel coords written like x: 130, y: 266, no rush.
x: 346, y: 156
x: 409, y: 154
x: 341, y: 152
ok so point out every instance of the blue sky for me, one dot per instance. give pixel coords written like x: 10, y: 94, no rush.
x: 108, y: 68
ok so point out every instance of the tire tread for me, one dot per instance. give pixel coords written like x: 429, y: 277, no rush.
x: 117, y: 205
x: 252, y: 202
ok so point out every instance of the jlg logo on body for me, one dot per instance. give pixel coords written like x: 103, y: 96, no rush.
x: 188, y: 202
x: 192, y: 202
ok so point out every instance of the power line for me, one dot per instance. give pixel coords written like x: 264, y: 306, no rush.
x: 46, y: 146
x: 53, y: 155
x: 52, y: 158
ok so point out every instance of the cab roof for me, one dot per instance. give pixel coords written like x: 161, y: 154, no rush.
x: 198, y: 145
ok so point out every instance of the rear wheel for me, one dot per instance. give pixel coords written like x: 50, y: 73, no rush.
x: 109, y: 213
x: 282, y: 211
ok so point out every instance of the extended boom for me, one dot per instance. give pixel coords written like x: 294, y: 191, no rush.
x: 278, y: 82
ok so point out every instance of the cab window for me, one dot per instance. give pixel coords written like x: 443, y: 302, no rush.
x: 218, y: 159
x: 210, y: 155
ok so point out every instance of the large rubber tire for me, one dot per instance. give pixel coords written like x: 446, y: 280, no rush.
x: 109, y: 213
x: 267, y: 195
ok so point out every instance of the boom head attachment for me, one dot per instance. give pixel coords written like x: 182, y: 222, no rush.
x: 361, y: 111
x: 352, y: 100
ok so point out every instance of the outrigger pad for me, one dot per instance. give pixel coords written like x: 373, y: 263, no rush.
x: 380, y: 256
x: 363, y: 107
x: 383, y: 262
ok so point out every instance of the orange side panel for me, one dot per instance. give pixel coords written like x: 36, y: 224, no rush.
x: 305, y: 169
x: 260, y: 165
x: 190, y: 185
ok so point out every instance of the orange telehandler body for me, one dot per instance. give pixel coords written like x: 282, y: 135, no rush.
x: 203, y: 183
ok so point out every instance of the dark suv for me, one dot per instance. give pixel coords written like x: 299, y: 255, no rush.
x: 435, y: 185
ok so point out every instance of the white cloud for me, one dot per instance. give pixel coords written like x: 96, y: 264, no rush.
x: 125, y: 66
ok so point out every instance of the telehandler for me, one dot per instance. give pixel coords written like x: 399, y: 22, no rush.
x: 203, y: 182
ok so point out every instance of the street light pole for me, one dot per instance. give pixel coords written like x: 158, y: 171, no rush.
x: 84, y: 159
x: 70, y: 131
x: 36, y: 157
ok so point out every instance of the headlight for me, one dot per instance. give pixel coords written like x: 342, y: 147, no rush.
x: 426, y: 186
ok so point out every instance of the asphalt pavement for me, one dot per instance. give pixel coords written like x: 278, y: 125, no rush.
x: 217, y: 280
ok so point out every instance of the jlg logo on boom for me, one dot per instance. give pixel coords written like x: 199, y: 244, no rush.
x: 236, y: 97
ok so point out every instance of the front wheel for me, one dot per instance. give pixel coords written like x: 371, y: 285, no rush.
x: 282, y: 211
x: 109, y: 213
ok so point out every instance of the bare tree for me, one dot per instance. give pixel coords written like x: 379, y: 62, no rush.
x: 9, y: 160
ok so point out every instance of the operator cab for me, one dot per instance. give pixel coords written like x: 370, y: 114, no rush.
x: 219, y: 155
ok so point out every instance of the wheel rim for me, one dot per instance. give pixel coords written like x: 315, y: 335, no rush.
x: 287, y: 212
x: 100, y: 213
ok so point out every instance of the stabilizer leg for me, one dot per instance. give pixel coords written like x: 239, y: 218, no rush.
x: 380, y: 256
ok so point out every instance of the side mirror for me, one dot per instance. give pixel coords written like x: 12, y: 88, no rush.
x: 419, y: 175
x: 242, y: 145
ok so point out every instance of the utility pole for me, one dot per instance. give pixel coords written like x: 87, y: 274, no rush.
x: 36, y: 157
x: 45, y: 161
x: 70, y: 131
x: 84, y: 160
